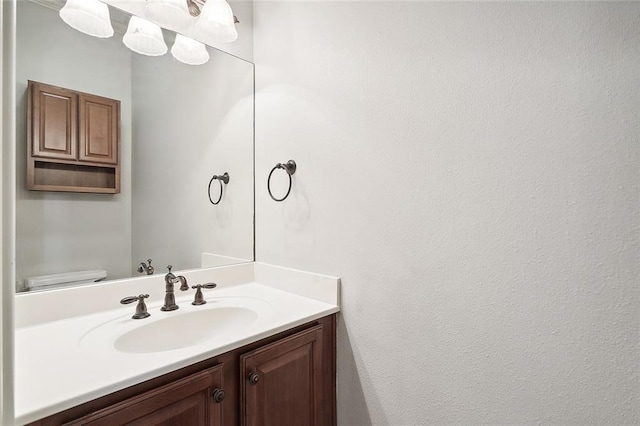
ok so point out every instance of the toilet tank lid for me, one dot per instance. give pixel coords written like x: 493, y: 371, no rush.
x: 66, y: 277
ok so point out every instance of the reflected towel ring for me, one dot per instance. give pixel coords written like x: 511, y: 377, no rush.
x: 221, y: 179
x: 289, y: 167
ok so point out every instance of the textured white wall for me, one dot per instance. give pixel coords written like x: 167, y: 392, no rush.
x: 62, y: 232
x: 471, y: 172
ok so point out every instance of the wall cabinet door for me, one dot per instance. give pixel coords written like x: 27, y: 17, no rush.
x: 54, y: 122
x: 99, y: 119
x: 193, y: 400
x: 281, y: 382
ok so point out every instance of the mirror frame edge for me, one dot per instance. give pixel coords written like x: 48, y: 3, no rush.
x: 8, y: 16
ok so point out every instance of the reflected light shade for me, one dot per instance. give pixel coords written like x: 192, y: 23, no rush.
x: 216, y: 22
x: 88, y: 16
x: 189, y: 51
x: 172, y: 14
x: 144, y: 37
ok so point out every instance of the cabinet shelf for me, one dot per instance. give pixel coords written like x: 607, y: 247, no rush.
x: 63, y: 177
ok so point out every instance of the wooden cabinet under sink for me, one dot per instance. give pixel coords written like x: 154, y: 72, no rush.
x: 285, y: 379
x: 187, y: 401
x: 281, y: 382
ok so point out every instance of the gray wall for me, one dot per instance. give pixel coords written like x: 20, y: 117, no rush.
x: 53, y: 228
x: 191, y: 123
x: 471, y: 172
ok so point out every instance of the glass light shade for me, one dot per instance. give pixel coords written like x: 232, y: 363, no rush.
x: 88, y: 16
x: 189, y: 51
x: 144, y: 37
x: 173, y: 14
x: 216, y: 22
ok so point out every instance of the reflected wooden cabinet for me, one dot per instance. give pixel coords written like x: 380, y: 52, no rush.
x: 74, y: 140
x: 98, y: 124
x: 54, y: 122
x: 285, y: 379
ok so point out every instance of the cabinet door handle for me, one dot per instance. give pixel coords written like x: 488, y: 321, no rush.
x: 218, y: 395
x: 254, y: 377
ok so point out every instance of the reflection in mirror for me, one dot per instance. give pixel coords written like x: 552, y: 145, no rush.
x: 180, y: 125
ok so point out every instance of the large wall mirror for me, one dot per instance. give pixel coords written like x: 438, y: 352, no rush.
x: 180, y: 125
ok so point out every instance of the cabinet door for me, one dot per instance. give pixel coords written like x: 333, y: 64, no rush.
x: 189, y: 401
x: 99, y: 135
x: 281, y: 381
x: 53, y: 121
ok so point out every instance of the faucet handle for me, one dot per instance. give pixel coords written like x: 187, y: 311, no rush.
x: 150, y: 269
x: 146, y: 267
x: 207, y: 285
x: 169, y: 268
x: 199, y: 299
x: 141, y: 307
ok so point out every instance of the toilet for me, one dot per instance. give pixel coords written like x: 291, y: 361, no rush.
x: 65, y: 279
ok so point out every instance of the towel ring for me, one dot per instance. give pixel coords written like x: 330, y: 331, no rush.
x: 289, y: 167
x: 224, y: 178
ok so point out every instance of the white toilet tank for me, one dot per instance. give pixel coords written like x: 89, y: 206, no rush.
x: 65, y: 279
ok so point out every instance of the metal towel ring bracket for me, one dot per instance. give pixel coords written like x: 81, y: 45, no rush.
x: 221, y: 179
x: 290, y: 168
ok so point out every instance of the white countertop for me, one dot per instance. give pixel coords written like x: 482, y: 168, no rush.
x: 60, y: 363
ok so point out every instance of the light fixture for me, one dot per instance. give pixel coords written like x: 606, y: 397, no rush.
x: 216, y: 22
x: 88, y: 16
x: 189, y: 51
x: 144, y: 37
x: 172, y: 14
x: 212, y: 20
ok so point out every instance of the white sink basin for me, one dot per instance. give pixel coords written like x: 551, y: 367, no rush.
x: 181, y: 331
x: 186, y: 327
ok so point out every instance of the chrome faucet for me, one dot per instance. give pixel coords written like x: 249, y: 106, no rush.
x: 146, y: 267
x: 169, y: 297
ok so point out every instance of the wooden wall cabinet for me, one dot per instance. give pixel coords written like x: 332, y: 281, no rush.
x: 286, y: 379
x: 74, y: 140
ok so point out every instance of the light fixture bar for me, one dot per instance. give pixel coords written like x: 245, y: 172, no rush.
x: 195, y: 8
x: 173, y: 14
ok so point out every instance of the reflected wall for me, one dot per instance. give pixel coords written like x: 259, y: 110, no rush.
x: 180, y: 125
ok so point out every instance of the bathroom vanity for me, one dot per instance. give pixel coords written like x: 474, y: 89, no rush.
x: 293, y: 369
x: 260, y: 351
